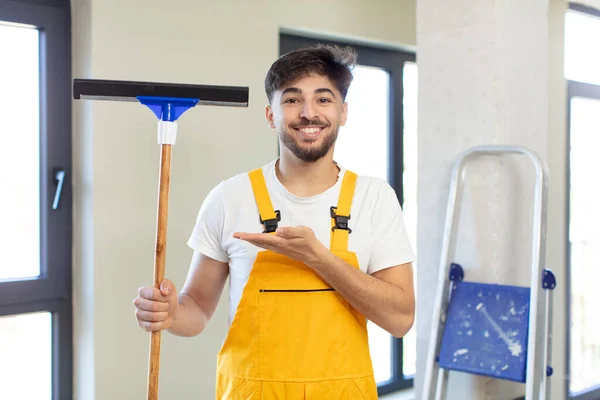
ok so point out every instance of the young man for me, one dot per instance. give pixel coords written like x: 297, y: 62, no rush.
x: 312, y: 251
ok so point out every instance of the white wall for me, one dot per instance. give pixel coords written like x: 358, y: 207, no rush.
x: 557, y: 167
x: 116, y: 161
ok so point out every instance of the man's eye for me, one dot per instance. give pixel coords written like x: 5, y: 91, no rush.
x: 324, y: 100
x: 291, y: 101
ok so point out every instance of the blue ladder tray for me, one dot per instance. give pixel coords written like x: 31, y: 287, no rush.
x: 486, y: 330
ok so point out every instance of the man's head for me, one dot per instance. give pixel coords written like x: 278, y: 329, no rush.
x: 307, y: 90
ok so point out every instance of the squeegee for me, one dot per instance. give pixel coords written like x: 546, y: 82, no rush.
x: 168, y: 101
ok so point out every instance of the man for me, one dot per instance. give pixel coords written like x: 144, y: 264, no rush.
x: 311, y: 250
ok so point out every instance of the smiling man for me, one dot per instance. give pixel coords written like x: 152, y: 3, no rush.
x: 312, y: 251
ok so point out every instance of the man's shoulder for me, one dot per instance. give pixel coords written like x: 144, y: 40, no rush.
x: 375, y: 191
x: 370, y: 184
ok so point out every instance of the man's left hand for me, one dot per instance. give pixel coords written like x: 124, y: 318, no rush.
x: 298, y: 242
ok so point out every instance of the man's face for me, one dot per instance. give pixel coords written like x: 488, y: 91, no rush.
x: 307, y: 115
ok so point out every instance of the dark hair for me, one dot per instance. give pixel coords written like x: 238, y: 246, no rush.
x: 332, y: 61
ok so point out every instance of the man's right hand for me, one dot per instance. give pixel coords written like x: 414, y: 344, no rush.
x: 155, y: 308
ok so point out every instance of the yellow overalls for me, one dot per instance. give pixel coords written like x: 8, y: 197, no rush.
x: 293, y: 337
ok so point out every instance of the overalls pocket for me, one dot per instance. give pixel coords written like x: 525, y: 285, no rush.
x: 300, y: 328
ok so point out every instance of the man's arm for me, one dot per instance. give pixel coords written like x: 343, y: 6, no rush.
x: 200, y: 295
x: 387, y: 297
x: 189, y: 313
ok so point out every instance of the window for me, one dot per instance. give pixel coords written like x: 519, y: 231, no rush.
x: 382, y: 100
x: 35, y: 205
x: 582, y: 69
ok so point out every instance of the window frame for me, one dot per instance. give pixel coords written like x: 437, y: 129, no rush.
x: 52, y: 290
x: 391, y: 60
x: 575, y: 89
x: 587, y: 91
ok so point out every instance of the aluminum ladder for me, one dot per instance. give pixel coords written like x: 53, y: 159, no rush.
x: 513, y: 324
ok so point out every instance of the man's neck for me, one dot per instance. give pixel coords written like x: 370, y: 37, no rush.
x: 306, y: 179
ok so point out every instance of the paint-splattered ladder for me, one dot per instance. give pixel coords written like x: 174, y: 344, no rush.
x: 492, y: 330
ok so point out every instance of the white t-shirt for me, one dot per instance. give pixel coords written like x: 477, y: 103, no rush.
x: 378, y: 235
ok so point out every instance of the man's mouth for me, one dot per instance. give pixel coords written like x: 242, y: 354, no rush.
x: 309, y: 132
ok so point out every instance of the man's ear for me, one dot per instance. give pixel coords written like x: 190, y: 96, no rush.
x: 344, y: 115
x: 269, y: 116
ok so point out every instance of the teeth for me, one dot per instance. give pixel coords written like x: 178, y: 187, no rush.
x: 310, y: 130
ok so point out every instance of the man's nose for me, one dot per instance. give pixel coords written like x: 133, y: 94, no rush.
x: 309, y: 111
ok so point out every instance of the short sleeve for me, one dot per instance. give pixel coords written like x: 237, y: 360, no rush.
x: 207, y: 234
x: 390, y: 245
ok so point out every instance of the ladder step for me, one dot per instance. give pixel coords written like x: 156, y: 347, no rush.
x: 486, y: 330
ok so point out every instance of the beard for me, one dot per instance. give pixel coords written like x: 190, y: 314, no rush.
x: 308, y: 154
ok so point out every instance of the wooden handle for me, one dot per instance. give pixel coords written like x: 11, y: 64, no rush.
x: 159, y: 261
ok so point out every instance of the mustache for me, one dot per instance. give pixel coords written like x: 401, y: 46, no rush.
x: 306, y: 122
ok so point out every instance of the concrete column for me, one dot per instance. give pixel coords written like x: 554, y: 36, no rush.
x: 483, y: 79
